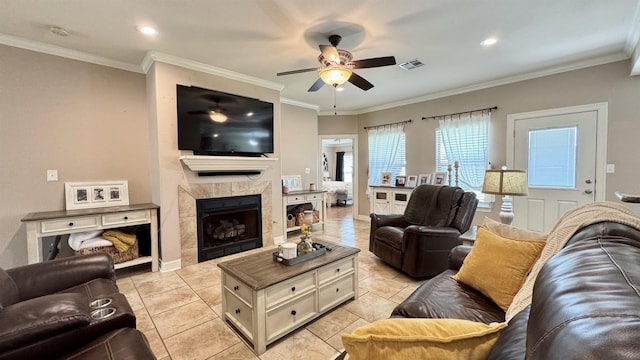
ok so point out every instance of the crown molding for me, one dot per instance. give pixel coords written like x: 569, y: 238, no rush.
x: 67, y: 53
x: 299, y: 104
x: 504, y: 81
x: 153, y: 56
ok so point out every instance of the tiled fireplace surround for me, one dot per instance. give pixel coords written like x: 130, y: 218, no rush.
x: 189, y: 193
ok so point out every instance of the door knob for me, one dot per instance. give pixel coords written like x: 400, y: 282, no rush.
x: 588, y: 181
x: 588, y: 191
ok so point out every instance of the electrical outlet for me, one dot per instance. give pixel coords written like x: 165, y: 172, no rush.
x: 611, y: 168
x: 52, y: 175
x: 307, y: 170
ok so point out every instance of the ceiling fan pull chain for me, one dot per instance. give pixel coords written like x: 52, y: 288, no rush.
x: 335, y: 91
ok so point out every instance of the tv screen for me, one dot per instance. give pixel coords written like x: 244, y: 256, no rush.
x: 217, y: 123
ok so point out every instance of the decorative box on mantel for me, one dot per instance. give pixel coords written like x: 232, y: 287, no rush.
x: 227, y: 165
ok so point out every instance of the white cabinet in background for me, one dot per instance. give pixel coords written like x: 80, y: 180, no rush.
x: 388, y: 199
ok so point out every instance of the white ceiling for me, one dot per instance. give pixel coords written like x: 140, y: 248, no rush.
x: 260, y: 38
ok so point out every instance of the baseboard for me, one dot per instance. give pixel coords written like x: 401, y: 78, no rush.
x: 170, y: 265
x: 364, y: 217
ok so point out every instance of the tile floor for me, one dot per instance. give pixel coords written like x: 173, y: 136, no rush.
x: 179, y: 311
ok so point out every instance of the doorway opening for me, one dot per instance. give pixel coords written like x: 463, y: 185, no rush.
x: 338, y: 171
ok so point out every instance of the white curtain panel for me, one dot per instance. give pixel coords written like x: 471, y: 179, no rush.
x: 384, y: 142
x: 465, y: 139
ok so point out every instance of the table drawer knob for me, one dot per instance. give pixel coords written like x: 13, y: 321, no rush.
x: 70, y: 224
x: 126, y: 218
x: 338, y: 270
x: 293, y: 289
x: 337, y: 289
x: 237, y: 311
x: 293, y: 312
x: 236, y: 288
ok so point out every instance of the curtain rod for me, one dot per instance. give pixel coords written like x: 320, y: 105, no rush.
x: 459, y: 113
x: 383, y: 125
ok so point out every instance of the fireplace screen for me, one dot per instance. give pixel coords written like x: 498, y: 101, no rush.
x: 228, y: 225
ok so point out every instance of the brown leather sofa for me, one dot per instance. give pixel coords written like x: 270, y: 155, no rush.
x: 586, y: 300
x: 418, y: 242
x: 46, y: 312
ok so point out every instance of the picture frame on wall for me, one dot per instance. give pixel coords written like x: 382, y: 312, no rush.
x: 424, y: 179
x: 385, y: 178
x: 401, y: 181
x: 87, y: 195
x: 412, y: 181
x: 439, y: 178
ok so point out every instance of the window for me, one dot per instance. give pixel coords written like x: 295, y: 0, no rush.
x: 552, y: 158
x: 347, y: 167
x: 465, y: 139
x: 386, y: 151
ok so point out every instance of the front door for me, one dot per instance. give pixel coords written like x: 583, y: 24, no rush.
x: 561, y: 149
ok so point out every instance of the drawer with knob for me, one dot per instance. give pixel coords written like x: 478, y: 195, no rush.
x: 240, y: 314
x: 131, y: 217
x: 289, y: 289
x: 289, y: 316
x: 336, y: 292
x: 238, y: 288
x: 335, y: 270
x: 69, y: 224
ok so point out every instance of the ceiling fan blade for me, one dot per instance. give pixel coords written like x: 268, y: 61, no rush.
x: 317, y: 85
x: 330, y: 53
x: 360, y: 82
x: 373, y: 62
x: 297, y: 71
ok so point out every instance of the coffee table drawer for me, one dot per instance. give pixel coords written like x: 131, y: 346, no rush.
x: 336, y: 292
x: 239, y: 288
x: 240, y: 314
x: 335, y: 270
x: 286, y: 317
x: 289, y: 289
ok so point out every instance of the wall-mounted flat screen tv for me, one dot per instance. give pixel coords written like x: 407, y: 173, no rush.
x: 217, y: 123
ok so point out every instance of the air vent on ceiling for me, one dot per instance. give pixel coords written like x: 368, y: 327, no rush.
x: 411, y: 64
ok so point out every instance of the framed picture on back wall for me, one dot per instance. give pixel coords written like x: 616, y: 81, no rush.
x: 424, y: 179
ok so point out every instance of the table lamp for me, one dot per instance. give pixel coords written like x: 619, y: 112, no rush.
x: 508, y: 183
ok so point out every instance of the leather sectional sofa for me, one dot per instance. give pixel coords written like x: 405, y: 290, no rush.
x: 48, y: 310
x: 585, y: 304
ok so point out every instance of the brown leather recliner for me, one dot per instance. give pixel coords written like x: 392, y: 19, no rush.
x: 418, y: 242
x: 45, y: 312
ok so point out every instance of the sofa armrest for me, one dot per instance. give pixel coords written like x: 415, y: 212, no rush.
x: 33, y: 320
x: 457, y: 256
x: 49, y: 277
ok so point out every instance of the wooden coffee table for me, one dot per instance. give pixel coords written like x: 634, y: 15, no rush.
x: 265, y: 300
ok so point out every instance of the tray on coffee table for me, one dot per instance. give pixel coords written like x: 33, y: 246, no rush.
x: 320, y: 250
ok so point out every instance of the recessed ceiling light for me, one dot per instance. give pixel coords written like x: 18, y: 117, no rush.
x: 147, y: 30
x: 489, y: 41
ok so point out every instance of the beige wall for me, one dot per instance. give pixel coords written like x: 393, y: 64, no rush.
x: 89, y: 122
x: 300, y: 143
x: 605, y: 83
x: 337, y: 124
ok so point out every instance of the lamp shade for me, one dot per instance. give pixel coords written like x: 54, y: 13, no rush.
x: 335, y: 75
x: 505, y: 182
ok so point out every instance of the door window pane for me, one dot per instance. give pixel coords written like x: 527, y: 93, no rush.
x: 552, y: 157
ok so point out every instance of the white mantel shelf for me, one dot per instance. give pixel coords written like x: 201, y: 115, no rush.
x: 201, y: 163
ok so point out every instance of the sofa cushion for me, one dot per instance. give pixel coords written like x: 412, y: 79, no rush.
x: 512, y: 342
x: 512, y: 232
x: 436, y: 339
x: 442, y: 297
x: 497, y: 266
x: 390, y: 235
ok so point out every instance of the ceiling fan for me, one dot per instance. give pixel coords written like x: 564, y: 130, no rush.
x: 337, y: 65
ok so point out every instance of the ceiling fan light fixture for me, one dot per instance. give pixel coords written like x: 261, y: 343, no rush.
x: 335, y: 75
x: 217, y: 116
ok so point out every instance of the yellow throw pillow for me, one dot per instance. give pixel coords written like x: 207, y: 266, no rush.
x: 497, y: 266
x: 437, y: 339
x: 512, y: 232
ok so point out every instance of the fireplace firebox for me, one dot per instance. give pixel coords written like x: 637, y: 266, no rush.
x: 228, y: 225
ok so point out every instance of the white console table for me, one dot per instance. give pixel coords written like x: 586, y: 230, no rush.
x: 52, y: 223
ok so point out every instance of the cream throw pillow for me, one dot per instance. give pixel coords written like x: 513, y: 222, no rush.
x: 497, y: 266
x: 428, y: 339
x: 512, y: 232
